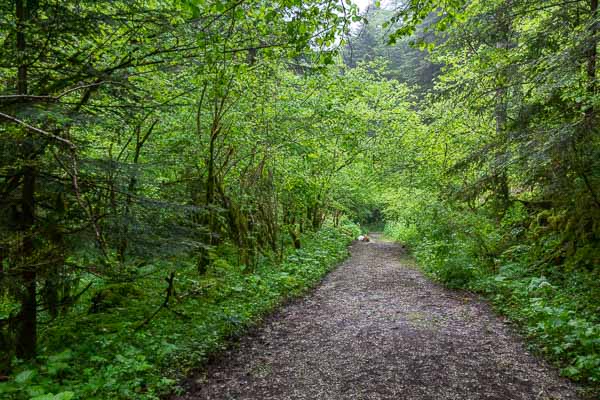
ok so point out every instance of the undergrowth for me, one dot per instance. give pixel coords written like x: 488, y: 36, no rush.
x: 111, y: 353
x: 554, y: 300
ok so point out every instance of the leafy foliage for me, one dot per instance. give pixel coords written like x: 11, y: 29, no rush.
x: 108, y: 357
x: 171, y: 170
x: 501, y: 197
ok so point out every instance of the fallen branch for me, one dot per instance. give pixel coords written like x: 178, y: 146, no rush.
x: 170, y: 292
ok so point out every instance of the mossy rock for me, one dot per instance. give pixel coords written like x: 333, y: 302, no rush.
x: 114, y: 295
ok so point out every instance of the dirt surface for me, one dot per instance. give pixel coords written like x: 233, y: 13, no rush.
x: 376, y: 328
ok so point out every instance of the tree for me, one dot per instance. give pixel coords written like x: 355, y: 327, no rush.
x: 88, y: 89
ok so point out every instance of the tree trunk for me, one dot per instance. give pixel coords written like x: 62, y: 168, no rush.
x: 582, y: 162
x: 211, y: 178
x: 131, y: 187
x: 27, y: 326
x: 592, y: 56
x: 501, y: 115
x: 27, y: 317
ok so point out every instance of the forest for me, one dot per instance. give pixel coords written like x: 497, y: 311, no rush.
x: 172, y: 171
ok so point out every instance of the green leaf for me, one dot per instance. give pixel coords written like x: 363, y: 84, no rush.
x: 64, y: 396
x: 47, y: 396
x: 63, y: 356
x: 25, y: 376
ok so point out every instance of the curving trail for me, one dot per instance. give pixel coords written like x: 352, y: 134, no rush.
x: 376, y: 328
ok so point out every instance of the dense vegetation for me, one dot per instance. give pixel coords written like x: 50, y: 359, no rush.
x: 172, y: 170
x: 501, y: 190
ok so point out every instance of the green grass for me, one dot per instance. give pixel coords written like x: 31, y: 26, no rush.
x: 105, y: 356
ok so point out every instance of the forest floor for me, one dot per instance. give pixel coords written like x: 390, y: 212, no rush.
x: 376, y: 328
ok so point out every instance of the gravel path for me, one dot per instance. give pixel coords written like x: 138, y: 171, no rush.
x: 376, y: 328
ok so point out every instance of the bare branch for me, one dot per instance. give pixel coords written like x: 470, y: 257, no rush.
x: 53, y: 98
x: 34, y: 129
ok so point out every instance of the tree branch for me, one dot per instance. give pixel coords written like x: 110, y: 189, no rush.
x: 32, y: 128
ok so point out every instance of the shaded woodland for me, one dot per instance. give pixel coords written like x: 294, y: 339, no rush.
x: 172, y: 170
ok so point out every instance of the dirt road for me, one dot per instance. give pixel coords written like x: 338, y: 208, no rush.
x: 376, y: 328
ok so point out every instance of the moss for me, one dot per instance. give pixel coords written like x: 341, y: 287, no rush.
x: 114, y: 295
